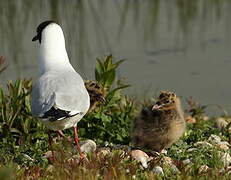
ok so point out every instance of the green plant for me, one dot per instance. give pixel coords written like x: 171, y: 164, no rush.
x: 15, y: 113
x: 111, y: 121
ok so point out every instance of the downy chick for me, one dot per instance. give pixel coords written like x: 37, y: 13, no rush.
x: 96, y: 94
x: 158, y: 127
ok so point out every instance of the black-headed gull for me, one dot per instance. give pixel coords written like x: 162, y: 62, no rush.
x: 59, y: 98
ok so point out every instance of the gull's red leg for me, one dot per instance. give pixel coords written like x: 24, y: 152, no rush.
x: 60, y: 133
x: 76, y: 138
x: 50, y: 144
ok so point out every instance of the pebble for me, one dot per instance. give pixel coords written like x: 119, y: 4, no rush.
x: 226, y: 170
x: 158, y: 170
x: 214, y: 139
x: 205, y: 118
x: 225, y: 158
x: 87, y: 146
x: 220, y: 123
x: 203, y: 143
x: 104, y: 151
x: 140, y: 156
x: 174, y: 169
x: 186, y: 161
x: 167, y: 160
x: 203, y: 169
x: 224, y: 145
x: 163, y: 151
x: 190, y: 120
x: 27, y: 157
x: 191, y: 149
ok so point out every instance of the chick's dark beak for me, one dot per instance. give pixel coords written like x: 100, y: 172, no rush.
x: 35, y: 38
x: 155, y: 107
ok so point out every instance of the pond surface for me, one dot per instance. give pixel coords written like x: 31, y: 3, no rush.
x: 184, y: 46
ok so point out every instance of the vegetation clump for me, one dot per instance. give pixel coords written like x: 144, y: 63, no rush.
x: 203, y: 152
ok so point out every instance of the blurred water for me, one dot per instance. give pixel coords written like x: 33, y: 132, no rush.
x: 178, y: 45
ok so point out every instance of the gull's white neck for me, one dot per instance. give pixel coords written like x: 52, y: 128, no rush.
x: 52, y: 50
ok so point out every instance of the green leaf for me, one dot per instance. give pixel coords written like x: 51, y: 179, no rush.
x: 112, y: 92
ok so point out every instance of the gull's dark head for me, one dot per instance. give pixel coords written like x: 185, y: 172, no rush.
x: 40, y: 29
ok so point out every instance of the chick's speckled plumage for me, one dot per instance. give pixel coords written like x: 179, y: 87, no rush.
x: 96, y: 93
x: 158, y: 127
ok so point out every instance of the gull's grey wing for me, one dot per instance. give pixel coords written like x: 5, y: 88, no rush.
x: 56, y: 96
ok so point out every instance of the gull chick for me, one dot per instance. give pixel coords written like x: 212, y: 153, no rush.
x: 158, y: 127
x: 96, y: 93
x: 59, y: 98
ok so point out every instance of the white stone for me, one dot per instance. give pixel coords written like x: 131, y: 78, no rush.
x: 140, y: 156
x: 167, y: 160
x: 203, y: 169
x: 87, y: 146
x: 225, y: 158
x: 174, y: 169
x: 27, y: 157
x: 191, y: 149
x: 220, y: 123
x: 163, y: 151
x: 223, y: 145
x: 203, y: 143
x: 186, y: 161
x: 158, y: 170
x: 214, y: 139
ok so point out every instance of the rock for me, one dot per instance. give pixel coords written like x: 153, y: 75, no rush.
x: 214, y: 139
x: 220, y: 123
x: 225, y: 171
x: 224, y: 145
x: 167, y: 160
x: 205, y: 118
x: 104, y: 151
x: 48, y: 154
x: 191, y: 149
x: 163, y: 151
x: 203, y: 143
x: 140, y: 156
x: 50, y: 168
x: 190, y: 120
x: 174, y: 169
x: 27, y: 157
x: 158, y: 170
x: 87, y: 146
x: 203, y: 169
x: 186, y: 161
x: 225, y: 158
x: 187, y: 165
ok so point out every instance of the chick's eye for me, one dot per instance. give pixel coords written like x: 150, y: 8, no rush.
x: 96, y: 86
x: 167, y: 101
